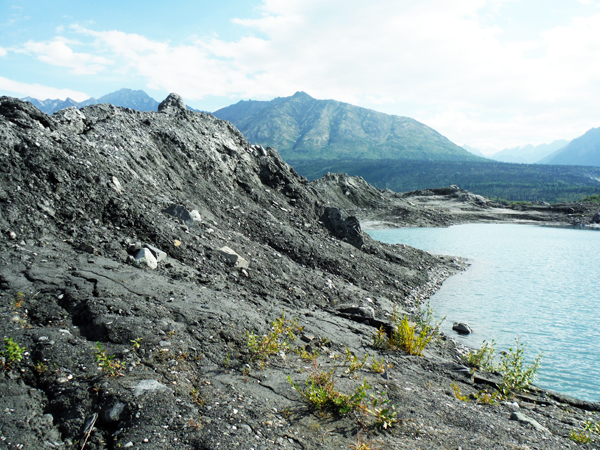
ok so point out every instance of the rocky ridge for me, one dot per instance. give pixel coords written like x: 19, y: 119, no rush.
x: 165, y: 239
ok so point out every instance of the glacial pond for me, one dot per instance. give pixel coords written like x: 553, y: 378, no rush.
x: 539, y: 283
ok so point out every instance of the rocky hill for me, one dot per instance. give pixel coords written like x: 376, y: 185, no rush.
x: 529, y: 154
x: 304, y: 128
x: 583, y: 151
x: 150, y: 265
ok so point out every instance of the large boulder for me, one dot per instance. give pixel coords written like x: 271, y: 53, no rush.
x: 596, y: 218
x: 343, y: 226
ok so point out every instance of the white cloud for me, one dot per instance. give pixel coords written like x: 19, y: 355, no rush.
x: 3, y: 52
x: 39, y: 91
x: 448, y: 64
x: 58, y: 53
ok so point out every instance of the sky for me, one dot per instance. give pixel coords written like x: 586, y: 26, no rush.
x: 490, y: 74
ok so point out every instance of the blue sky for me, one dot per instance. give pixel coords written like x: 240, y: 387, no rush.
x: 488, y: 73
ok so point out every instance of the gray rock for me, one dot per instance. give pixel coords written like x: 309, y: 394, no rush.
x: 172, y: 104
x: 158, y: 254
x: 235, y: 259
x: 195, y: 215
x: 343, y: 226
x: 113, y: 414
x: 596, y: 218
x: 461, y: 328
x: 180, y: 212
x: 522, y: 418
x: 145, y: 386
x: 145, y: 258
x: 116, y: 185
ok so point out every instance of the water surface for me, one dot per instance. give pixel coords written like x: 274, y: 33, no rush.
x: 539, y: 283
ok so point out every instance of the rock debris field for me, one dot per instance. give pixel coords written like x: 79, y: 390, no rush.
x: 143, y: 257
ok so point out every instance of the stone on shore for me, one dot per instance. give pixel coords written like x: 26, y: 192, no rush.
x: 461, y: 328
x: 235, y: 259
x: 145, y: 258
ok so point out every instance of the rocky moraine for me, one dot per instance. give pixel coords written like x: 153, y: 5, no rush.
x: 143, y: 252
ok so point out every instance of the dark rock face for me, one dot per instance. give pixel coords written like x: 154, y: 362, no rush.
x: 343, y: 226
x: 82, y: 194
x: 596, y: 218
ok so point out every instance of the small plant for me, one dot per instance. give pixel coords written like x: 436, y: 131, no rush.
x: 227, y: 360
x: 306, y: 355
x: 408, y: 336
x: 197, y: 398
x: 278, y: 340
x: 106, y: 362
x: 18, y: 302
x: 12, y: 352
x: 385, y: 416
x: 485, y: 397
x: 482, y: 359
x: 457, y: 394
x: 516, y: 375
x: 378, y: 366
x: 580, y: 438
x: 320, y: 392
x: 354, y: 363
x: 40, y: 367
x: 135, y: 343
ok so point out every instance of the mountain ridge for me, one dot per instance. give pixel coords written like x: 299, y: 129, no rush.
x: 584, y: 150
x: 301, y: 128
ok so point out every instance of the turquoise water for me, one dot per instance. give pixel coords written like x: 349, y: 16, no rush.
x: 539, y: 283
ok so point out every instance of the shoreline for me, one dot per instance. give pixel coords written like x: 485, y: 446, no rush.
x: 477, y: 320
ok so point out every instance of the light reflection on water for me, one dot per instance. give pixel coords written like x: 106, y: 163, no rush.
x: 539, y: 283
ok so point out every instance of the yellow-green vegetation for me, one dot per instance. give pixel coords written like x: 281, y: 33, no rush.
x: 305, y: 354
x: 107, y: 363
x: 385, y: 415
x: 486, y: 397
x: 516, y: 375
x: 40, y: 367
x: 482, y: 359
x: 457, y: 394
x: 580, y: 437
x: 378, y: 366
x: 589, y: 432
x: 135, y: 343
x: 278, y: 340
x: 354, y: 363
x: 321, y: 392
x: 591, y: 199
x: 12, y: 353
x: 412, y: 337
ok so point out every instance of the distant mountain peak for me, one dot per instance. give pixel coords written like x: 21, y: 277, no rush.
x: 301, y: 127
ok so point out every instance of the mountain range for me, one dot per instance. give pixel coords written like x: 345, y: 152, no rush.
x: 585, y: 151
x: 303, y: 128
x: 529, y: 154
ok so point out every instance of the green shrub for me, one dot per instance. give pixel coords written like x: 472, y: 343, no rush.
x: 482, y: 359
x: 106, y: 362
x: 12, y: 352
x: 408, y: 336
x: 321, y: 392
x: 278, y: 340
x: 516, y: 375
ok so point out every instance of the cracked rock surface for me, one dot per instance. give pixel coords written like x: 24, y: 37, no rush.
x: 120, y: 355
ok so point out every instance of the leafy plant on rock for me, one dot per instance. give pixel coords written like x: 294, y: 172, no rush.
x: 278, y: 340
x: 517, y: 376
x: 482, y: 359
x: 412, y: 337
x: 12, y: 352
x: 106, y: 362
x: 320, y: 391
